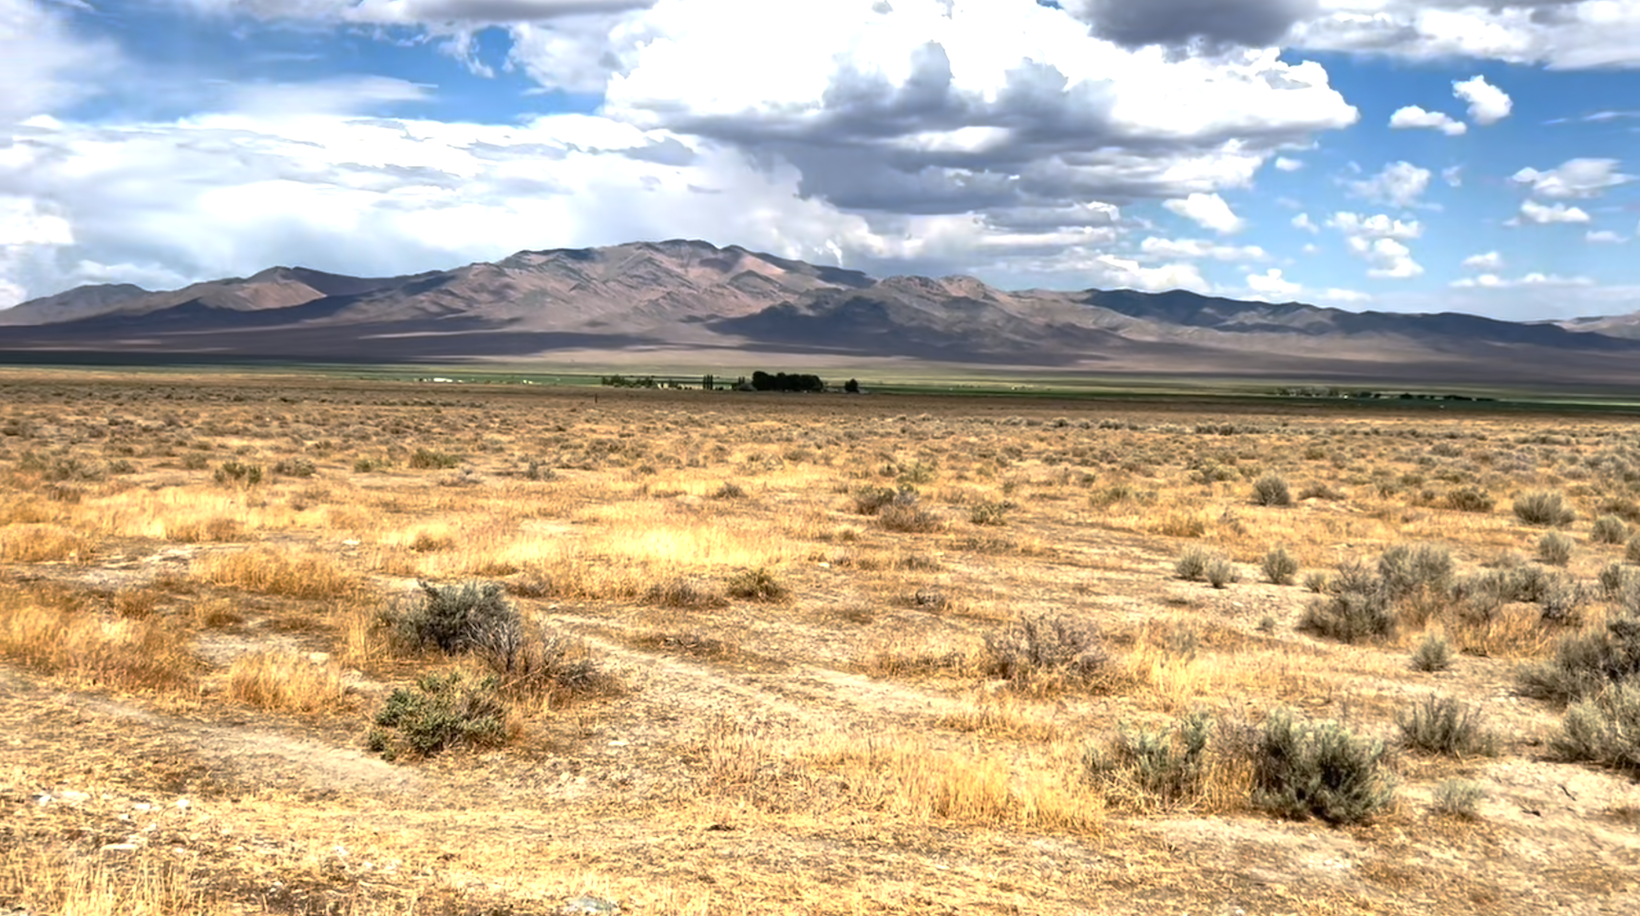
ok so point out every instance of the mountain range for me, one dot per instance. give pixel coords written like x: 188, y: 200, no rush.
x: 690, y: 301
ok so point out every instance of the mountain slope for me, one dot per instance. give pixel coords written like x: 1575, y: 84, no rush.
x: 683, y: 295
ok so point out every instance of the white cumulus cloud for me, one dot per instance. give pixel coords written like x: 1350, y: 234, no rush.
x: 1196, y: 249
x: 1533, y: 212
x: 1209, y: 211
x: 1604, y: 237
x: 1487, y: 103
x: 1574, y: 178
x: 1413, y: 116
x: 1273, y: 284
x: 1399, y: 184
x: 1490, y: 262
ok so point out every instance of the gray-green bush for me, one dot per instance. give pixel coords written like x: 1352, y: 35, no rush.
x: 439, y: 712
x: 1555, y: 549
x: 1271, y: 490
x: 1544, y: 508
x: 1322, y: 770
x: 1609, y: 529
x: 1434, y: 653
x: 1586, y: 664
x: 1603, y: 729
x: 1279, y: 566
x: 1437, y: 725
x: 1041, y: 653
x: 1166, y: 764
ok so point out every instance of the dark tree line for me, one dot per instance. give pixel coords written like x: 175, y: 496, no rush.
x: 780, y: 381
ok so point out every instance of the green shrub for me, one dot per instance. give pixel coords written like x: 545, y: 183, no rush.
x: 1544, y: 508
x: 1609, y: 529
x: 1413, y: 569
x: 1319, y: 770
x: 1316, y: 582
x: 1469, y: 499
x: 1457, y: 798
x: 1191, y: 565
x: 426, y: 459
x: 1039, y: 653
x: 1271, y: 490
x: 1555, y: 549
x: 1432, y: 654
x: 1631, y: 553
x: 1356, y: 610
x: 367, y: 464
x: 1221, y: 573
x: 440, y: 712
x: 451, y: 618
x: 1166, y: 764
x: 233, y: 472
x: 294, y: 467
x: 1586, y: 664
x: 1446, y: 727
x: 1280, y: 567
x: 990, y: 513
x: 120, y: 466
x: 1604, y: 730
x: 756, y: 585
x: 1616, y: 580
x: 539, y: 471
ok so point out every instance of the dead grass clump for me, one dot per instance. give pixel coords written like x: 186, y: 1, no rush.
x: 310, y: 576
x: 286, y: 682
x: 908, y: 519
x: 756, y: 585
x: 694, y: 645
x: 683, y: 594
x: 43, y: 544
x: 999, y: 716
x: 53, y: 635
x: 902, y: 659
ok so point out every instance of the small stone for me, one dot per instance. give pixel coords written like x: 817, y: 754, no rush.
x: 120, y: 847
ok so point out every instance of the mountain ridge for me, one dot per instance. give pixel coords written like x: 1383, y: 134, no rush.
x: 686, y: 293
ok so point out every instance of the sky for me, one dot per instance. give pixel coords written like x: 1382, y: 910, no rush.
x: 1399, y: 155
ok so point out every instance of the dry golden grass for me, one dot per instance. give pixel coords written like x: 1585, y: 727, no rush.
x: 286, y: 682
x: 145, y: 883
x: 43, y: 543
x: 271, y: 571
x: 50, y: 632
x: 877, y: 725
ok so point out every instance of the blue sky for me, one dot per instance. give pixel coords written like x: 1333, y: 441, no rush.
x: 1235, y: 147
